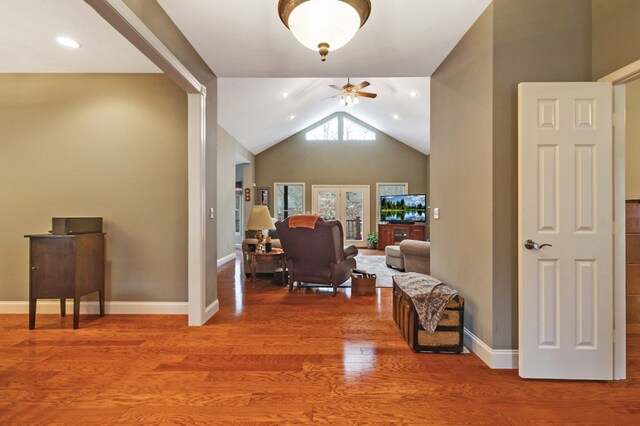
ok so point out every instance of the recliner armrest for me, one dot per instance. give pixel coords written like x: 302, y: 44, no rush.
x: 350, y: 252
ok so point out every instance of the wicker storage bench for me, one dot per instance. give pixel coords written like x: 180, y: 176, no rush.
x: 448, y: 334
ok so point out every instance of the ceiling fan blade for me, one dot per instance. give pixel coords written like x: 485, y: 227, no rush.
x: 361, y: 85
x: 330, y: 97
x: 333, y: 86
x: 367, y: 94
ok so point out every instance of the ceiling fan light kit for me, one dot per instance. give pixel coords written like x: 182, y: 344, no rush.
x: 324, y: 25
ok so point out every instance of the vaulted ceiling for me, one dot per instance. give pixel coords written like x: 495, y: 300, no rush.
x: 257, y: 59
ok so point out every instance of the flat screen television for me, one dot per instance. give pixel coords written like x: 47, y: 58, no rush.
x: 403, y: 208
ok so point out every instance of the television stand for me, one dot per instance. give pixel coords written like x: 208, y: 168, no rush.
x: 390, y: 234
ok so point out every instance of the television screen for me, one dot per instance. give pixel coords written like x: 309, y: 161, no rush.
x: 403, y: 208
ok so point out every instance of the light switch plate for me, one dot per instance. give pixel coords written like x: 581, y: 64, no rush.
x: 436, y: 213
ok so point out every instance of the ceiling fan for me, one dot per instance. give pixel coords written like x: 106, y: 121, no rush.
x: 351, y: 93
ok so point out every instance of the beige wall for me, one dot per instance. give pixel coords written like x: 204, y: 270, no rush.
x: 616, y: 35
x: 632, y: 141
x: 97, y: 145
x: 461, y: 167
x: 342, y: 163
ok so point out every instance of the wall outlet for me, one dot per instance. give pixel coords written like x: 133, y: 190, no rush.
x: 436, y: 213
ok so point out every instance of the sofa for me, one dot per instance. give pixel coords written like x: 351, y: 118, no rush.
x: 417, y: 256
x: 249, y: 245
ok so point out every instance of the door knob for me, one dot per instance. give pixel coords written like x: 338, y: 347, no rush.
x: 532, y: 245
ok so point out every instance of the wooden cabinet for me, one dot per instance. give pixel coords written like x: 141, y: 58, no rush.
x: 392, y: 233
x: 65, y: 266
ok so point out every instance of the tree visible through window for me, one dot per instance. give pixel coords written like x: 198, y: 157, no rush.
x: 327, y: 131
x: 355, y: 132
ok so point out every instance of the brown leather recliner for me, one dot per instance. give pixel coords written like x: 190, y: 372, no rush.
x: 317, y: 255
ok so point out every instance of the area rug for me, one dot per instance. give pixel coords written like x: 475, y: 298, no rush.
x: 375, y: 265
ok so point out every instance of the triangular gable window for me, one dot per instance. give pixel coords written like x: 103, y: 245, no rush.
x: 355, y: 132
x: 327, y: 131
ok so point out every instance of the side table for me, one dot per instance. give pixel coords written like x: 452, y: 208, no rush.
x: 275, y: 254
x: 64, y: 267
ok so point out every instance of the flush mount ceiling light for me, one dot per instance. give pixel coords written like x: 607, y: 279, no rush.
x: 68, y: 42
x: 324, y: 25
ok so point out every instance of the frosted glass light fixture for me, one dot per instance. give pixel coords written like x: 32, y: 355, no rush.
x: 324, y: 25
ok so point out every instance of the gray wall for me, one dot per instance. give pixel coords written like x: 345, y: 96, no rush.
x: 156, y: 19
x: 513, y: 41
x: 226, y: 193
x: 111, y: 145
x: 342, y: 163
x: 616, y: 35
x: 534, y: 40
x: 461, y: 173
x: 229, y: 149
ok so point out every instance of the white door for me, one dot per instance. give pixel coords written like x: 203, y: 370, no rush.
x: 565, y: 200
x: 348, y: 204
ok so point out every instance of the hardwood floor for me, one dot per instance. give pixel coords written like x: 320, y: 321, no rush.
x: 273, y: 357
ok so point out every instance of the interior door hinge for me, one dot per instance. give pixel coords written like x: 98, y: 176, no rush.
x: 613, y: 119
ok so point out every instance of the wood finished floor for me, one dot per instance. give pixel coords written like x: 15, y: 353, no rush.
x: 272, y: 357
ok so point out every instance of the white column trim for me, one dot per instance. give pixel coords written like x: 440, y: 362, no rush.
x: 197, y: 207
x: 619, y: 236
x: 624, y: 75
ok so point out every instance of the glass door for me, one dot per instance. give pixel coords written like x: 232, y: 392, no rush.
x: 348, y: 204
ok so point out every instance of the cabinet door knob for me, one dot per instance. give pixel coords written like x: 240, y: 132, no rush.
x: 33, y: 268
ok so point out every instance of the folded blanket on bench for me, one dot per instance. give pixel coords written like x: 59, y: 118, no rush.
x: 429, y: 296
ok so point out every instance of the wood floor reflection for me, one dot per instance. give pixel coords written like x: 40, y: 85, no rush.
x: 273, y: 357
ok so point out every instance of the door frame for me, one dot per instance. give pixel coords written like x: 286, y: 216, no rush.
x: 366, y: 226
x: 619, y: 78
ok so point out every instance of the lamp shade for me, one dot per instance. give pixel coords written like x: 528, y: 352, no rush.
x: 324, y: 25
x: 260, y: 219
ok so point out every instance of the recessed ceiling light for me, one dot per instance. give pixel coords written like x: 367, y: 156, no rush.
x: 396, y: 117
x: 413, y: 93
x: 68, y: 42
x: 292, y: 116
x: 285, y: 94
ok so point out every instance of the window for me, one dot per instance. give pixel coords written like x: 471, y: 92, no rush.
x: 289, y: 199
x: 327, y: 131
x: 389, y: 189
x: 355, y: 132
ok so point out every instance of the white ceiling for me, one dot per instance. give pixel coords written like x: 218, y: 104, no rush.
x: 245, y: 38
x: 245, y: 43
x: 254, y: 111
x: 28, y: 32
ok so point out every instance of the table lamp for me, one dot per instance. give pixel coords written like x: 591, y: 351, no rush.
x: 260, y: 219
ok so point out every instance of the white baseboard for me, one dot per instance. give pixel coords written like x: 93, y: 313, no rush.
x: 92, y: 307
x: 495, y: 358
x: 226, y: 259
x: 211, y: 310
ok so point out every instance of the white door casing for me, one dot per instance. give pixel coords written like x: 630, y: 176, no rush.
x: 565, y: 178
